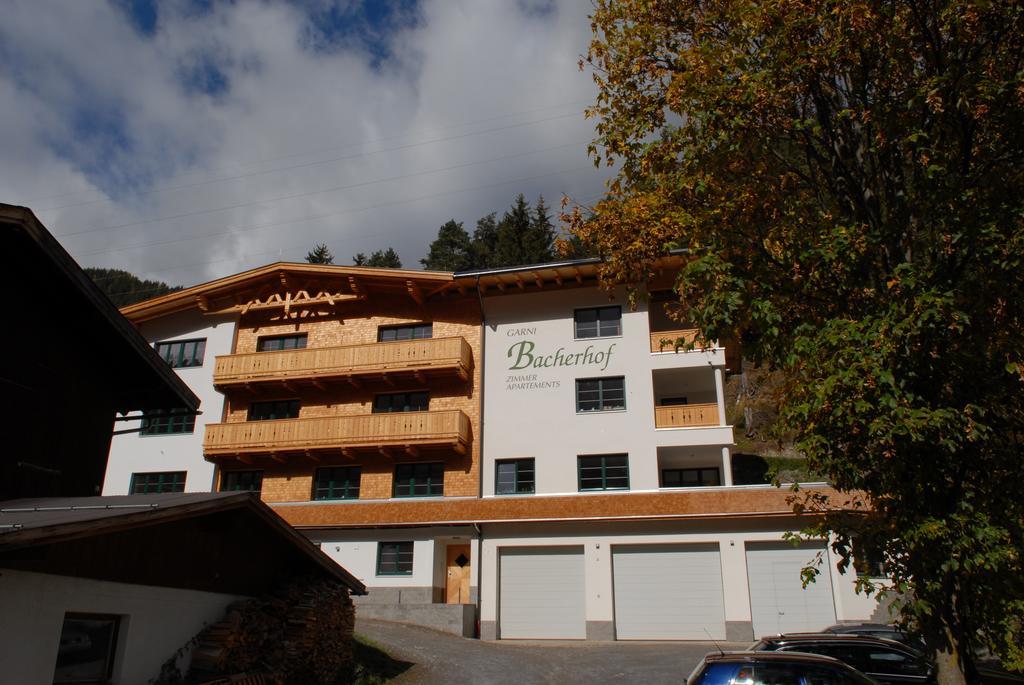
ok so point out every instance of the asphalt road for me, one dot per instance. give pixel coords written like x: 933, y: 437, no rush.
x: 439, y: 658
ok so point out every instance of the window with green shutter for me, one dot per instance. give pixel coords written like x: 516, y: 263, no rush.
x: 514, y: 477
x: 394, y: 558
x: 419, y: 480
x: 168, y: 423
x: 337, y: 482
x: 163, y: 481
x: 182, y: 353
x: 600, y: 394
x: 275, y: 343
x: 235, y: 481
x: 603, y: 472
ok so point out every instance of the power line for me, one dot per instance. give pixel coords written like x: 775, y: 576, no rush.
x: 323, y: 161
x: 278, y: 250
x: 316, y: 192
x: 259, y: 227
x: 309, y: 152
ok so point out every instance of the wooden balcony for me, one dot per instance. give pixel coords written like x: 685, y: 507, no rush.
x: 433, y: 356
x: 664, y: 341
x: 401, y: 430
x: 686, y: 416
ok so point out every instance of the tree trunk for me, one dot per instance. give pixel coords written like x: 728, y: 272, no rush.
x: 949, y: 662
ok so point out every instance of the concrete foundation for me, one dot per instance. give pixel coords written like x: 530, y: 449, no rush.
x: 739, y: 631
x: 457, y: 619
x: 600, y: 630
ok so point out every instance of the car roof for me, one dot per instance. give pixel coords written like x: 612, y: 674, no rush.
x: 842, y: 627
x: 850, y: 638
x: 750, y: 657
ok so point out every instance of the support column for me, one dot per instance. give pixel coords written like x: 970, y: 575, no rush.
x: 726, y: 467
x: 720, y: 394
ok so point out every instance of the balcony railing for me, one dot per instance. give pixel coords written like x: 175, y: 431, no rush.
x: 434, y: 355
x: 686, y: 416
x: 450, y: 428
x: 665, y: 341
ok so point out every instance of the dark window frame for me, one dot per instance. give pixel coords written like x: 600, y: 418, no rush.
x: 335, y: 492
x: 410, y: 396
x: 604, y: 477
x: 173, y: 352
x: 396, y: 549
x: 236, y: 475
x: 273, y: 339
x: 434, y: 479
x: 176, y: 482
x: 292, y: 404
x: 601, y: 392
x: 111, y: 651
x: 599, y: 331
x: 417, y: 331
x: 700, y: 480
x: 175, y: 422
x: 517, y: 481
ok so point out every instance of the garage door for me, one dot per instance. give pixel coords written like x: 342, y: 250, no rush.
x: 541, y: 593
x: 668, y: 592
x: 778, y: 602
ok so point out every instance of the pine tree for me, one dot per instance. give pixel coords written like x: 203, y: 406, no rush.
x: 485, y: 242
x: 124, y: 288
x: 539, y: 240
x: 451, y: 251
x: 512, y: 229
x: 320, y: 255
x: 382, y: 259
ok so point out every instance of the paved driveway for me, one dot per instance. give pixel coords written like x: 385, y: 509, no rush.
x: 441, y: 658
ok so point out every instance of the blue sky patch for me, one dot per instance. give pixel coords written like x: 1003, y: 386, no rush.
x: 366, y: 25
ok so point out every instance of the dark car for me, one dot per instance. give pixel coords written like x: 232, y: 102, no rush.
x: 887, y: 661
x: 882, y: 630
x: 774, y: 668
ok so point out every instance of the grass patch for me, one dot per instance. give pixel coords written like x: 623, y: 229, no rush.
x: 373, y: 665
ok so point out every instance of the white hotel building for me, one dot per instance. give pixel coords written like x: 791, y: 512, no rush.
x: 605, y: 506
x: 586, y: 406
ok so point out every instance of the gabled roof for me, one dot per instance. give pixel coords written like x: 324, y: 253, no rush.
x: 37, y: 522
x: 51, y: 281
x: 311, y: 284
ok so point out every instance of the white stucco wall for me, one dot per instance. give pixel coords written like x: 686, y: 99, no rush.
x: 531, y: 412
x: 356, y: 550
x: 155, y: 622
x: 598, y: 539
x: 134, y: 453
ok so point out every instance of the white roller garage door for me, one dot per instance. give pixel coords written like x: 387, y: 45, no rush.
x: 541, y: 593
x: 668, y: 592
x: 778, y: 602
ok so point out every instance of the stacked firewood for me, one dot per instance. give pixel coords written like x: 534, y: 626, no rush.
x: 301, y: 635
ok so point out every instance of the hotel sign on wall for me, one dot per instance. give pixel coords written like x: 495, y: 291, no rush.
x: 525, y: 355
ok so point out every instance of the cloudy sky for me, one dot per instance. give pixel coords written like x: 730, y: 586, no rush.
x: 185, y: 140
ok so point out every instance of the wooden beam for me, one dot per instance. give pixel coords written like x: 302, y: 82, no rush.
x: 519, y: 282
x: 420, y: 378
x: 347, y: 453
x: 385, y: 452
x: 578, y: 274
x: 388, y: 380
x: 538, y: 280
x: 244, y: 458
x: 312, y: 456
x: 412, y: 451
x: 500, y: 284
x: 414, y: 291
x: 461, y: 289
x: 357, y: 288
x: 278, y: 458
x: 353, y: 382
x: 558, y: 278
x: 318, y: 384
x: 202, y: 303
x: 460, y: 448
x: 284, y: 278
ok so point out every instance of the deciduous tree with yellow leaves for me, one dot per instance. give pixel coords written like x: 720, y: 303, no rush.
x: 847, y: 178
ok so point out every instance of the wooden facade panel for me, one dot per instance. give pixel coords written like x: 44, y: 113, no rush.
x: 705, y: 503
x: 686, y: 415
x: 665, y: 341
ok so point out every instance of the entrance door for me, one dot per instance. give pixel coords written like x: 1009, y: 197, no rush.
x: 458, y: 575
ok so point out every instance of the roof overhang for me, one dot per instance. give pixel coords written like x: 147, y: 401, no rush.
x: 37, y: 261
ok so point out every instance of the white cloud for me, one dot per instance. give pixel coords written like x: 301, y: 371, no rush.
x: 107, y: 127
